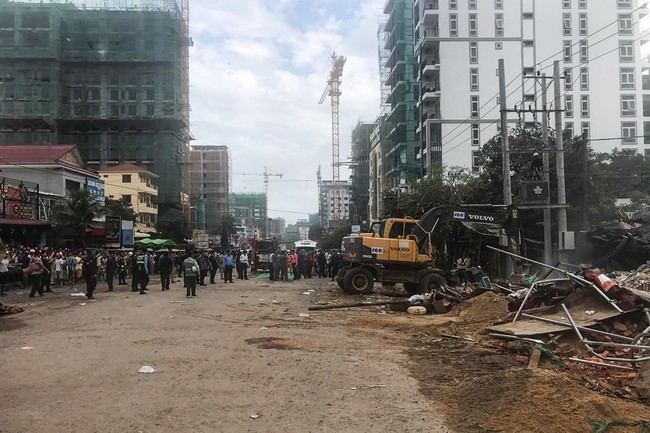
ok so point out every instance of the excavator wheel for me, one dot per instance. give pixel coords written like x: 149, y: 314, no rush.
x: 340, y: 276
x: 412, y: 288
x: 358, y: 281
x: 431, y: 283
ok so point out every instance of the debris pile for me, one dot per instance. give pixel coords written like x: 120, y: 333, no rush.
x: 638, y: 279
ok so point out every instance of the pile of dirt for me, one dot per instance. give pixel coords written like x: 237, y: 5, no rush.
x: 459, y: 376
x: 480, y: 311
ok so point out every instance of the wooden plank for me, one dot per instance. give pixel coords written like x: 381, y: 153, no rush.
x: 535, y: 356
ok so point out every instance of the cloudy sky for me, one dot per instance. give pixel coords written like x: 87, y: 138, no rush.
x: 257, y: 70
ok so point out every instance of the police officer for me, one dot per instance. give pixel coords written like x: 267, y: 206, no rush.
x: 143, y: 271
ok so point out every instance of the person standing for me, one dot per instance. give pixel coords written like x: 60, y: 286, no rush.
x: 135, y: 275
x: 269, y: 264
x: 322, y: 264
x: 283, y: 266
x: 190, y: 272
x: 228, y: 264
x: 111, y: 267
x: 89, y: 272
x: 294, y: 265
x: 4, y: 267
x: 142, y: 270
x: 36, y: 278
x: 204, y: 267
x: 243, y: 260
x: 165, y: 268
x: 121, y: 269
x: 47, y: 276
x: 59, y: 263
x: 214, y: 265
x: 336, y: 263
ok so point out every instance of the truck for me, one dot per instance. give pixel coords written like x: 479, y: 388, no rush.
x: 400, y: 250
x: 261, y: 249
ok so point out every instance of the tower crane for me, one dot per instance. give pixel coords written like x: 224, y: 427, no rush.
x: 334, y: 91
x: 266, y: 176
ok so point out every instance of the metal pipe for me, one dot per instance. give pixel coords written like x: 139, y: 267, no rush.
x: 623, y: 345
x: 514, y: 337
x: 600, y: 364
x: 567, y: 273
x: 521, y: 307
x: 582, y: 328
x: 573, y: 324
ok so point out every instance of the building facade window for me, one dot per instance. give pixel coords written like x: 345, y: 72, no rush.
x: 566, y: 24
x: 628, y: 132
x: 126, y: 178
x: 474, y: 106
x: 568, y: 78
x: 473, y: 79
x: 453, y: 4
x: 624, y: 24
x: 584, y: 78
x: 568, y: 54
x: 568, y: 127
x: 475, y: 159
x: 584, y: 51
x: 645, y: 78
x: 527, y: 15
x: 646, y: 105
x: 585, y: 129
x: 582, y: 4
x: 453, y: 25
x: 498, y: 25
x: 471, y: 4
x: 627, y: 79
x: 624, y: 4
x: 628, y: 105
x: 476, y: 134
x: 626, y: 51
x: 473, y: 52
x: 498, y: 4
x: 568, y: 106
x: 566, y: 4
x: 583, y: 25
x: 584, y: 106
x: 646, y: 132
x: 473, y: 25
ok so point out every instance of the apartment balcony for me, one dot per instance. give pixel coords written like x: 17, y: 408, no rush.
x: 430, y: 15
x: 429, y: 37
x: 431, y: 114
x: 430, y: 94
x: 388, y: 6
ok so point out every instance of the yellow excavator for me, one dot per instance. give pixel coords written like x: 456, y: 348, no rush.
x: 399, y: 250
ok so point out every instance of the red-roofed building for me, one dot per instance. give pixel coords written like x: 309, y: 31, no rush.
x: 57, y: 168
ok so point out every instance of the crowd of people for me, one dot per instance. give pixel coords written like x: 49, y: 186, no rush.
x: 56, y: 268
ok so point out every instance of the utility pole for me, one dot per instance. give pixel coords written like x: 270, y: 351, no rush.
x: 559, y: 159
x: 548, y: 239
x: 505, y: 151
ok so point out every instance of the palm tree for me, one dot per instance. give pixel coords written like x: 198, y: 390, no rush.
x: 75, y: 212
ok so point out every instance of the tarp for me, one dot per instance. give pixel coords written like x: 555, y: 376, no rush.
x: 155, y: 243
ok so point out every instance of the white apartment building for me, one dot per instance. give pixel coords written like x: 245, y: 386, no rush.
x: 601, y: 46
x: 327, y: 200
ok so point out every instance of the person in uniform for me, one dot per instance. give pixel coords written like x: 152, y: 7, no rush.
x: 190, y: 273
x: 142, y: 271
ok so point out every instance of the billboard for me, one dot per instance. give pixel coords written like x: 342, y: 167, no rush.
x: 128, y: 233
x: 96, y: 188
x: 113, y: 229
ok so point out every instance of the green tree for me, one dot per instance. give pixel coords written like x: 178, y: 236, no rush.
x: 332, y: 241
x: 451, y: 186
x: 74, y: 213
x: 119, y: 208
x: 315, y: 232
x: 174, y: 225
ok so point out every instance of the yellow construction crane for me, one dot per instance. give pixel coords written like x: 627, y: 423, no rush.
x: 333, y: 89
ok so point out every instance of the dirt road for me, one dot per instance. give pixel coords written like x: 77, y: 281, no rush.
x: 235, y: 352
x: 240, y: 358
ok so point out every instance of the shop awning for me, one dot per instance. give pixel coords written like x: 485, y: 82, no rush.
x: 24, y: 222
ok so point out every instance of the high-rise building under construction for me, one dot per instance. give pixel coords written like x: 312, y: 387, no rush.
x: 110, y: 76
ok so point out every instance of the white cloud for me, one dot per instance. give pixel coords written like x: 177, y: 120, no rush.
x: 255, y: 84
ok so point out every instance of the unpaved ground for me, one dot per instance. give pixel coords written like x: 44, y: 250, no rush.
x: 242, y: 349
